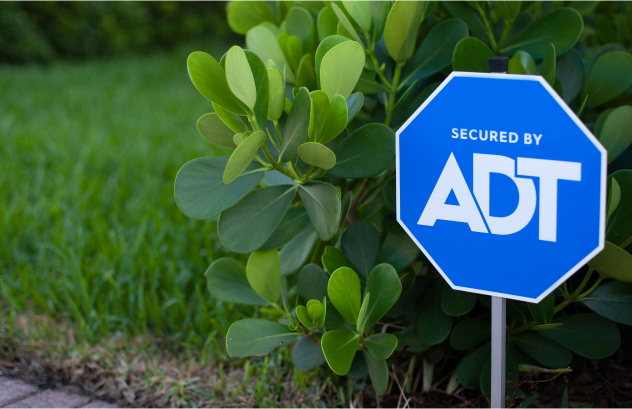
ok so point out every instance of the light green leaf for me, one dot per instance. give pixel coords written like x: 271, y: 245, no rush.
x: 307, y: 354
x: 209, y: 78
x: 548, y: 65
x: 526, y: 61
x: 612, y: 300
x: 294, y: 220
x: 262, y: 83
x: 327, y: 23
x: 360, y: 12
x: 515, y: 67
x: 619, y: 226
x: 455, y: 302
x: 337, y: 120
x: 340, y: 69
x: 322, y: 204
x: 469, y: 333
x: 333, y: 259
x: 362, y: 314
x: 303, y: 316
x: 401, y: 29
x: 365, y: 153
x: 226, y: 280
x: 239, y: 76
x: 543, y: 350
x: 361, y: 244
x: 295, y: 254
x: 339, y: 347
x: 264, y: 274
x: 292, y: 49
x: 613, y: 262
x: 306, y: 76
x: 231, y: 120
x: 471, y: 54
x: 381, y: 345
x: 243, y: 155
x: 200, y: 192
x: 588, y: 335
x: 264, y: 43
x: 433, y: 325
x: 469, y: 369
x: 319, y: 116
x: 344, y: 21
x: 312, y: 283
x: 258, y: 215
x: 314, y: 153
x: 297, y: 126
x: 252, y: 337
x: 616, y: 134
x: 543, y: 311
x: 323, y: 48
x: 214, y: 130
x: 238, y: 138
x: 385, y: 287
x: 277, y: 96
x: 378, y: 372
x: 344, y: 292
x: 243, y: 16
x: 561, y: 27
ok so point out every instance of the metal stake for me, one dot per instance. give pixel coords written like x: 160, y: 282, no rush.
x: 499, y: 326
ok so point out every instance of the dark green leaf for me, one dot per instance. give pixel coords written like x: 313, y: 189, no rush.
x: 384, y: 286
x: 455, y: 302
x: 616, y: 134
x: 322, y: 204
x: 200, y: 192
x: 469, y: 333
x: 471, y: 54
x: 526, y: 61
x: 297, y: 127
x: 358, y: 368
x: 379, y: 14
x: 264, y: 274
x: 381, y: 345
x: 227, y: 281
x: 508, y: 10
x: 543, y: 311
x: 214, y: 130
x: 361, y: 244
x: 619, y: 227
x: 369, y: 86
x: 333, y: 259
x: 546, y: 352
x: 299, y: 23
x: 612, y: 300
x: 609, y: 77
x: 294, y: 220
x: 401, y: 29
x: 569, y: 68
x: 295, y: 254
x: 547, y: 70
x: 398, y: 250
x: 262, y: 82
x: 433, y: 325
x: 588, y: 335
x: 390, y: 194
x: 312, y: 283
x: 613, y: 262
x: 242, y: 156
x: 327, y: 23
x: 252, y: 337
x: 344, y: 292
x: 306, y: 76
x: 244, y: 16
x: 354, y: 104
x: 246, y: 226
x: 378, y: 372
x: 307, y: 354
x: 339, y: 347
x: 614, y: 197
x: 462, y: 11
x: 365, y: 153
x: 469, y: 369
x: 340, y: 69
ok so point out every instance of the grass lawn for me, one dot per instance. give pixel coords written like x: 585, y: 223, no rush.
x: 91, y: 236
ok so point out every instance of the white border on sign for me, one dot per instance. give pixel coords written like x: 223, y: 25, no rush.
x: 578, y: 122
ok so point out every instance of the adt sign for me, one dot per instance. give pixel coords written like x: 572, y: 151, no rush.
x: 501, y: 185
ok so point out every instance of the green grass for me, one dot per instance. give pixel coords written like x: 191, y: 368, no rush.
x: 90, y: 229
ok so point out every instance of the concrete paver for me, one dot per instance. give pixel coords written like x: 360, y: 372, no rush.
x: 51, y: 399
x: 13, y: 390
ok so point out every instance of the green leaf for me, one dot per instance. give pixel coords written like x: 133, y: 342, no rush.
x: 401, y: 29
x: 337, y: 120
x: 264, y: 274
x: 317, y: 311
x: 244, y: 16
x: 379, y: 14
x: 362, y: 314
x: 323, y: 48
x: 200, y: 192
x: 398, y: 250
x: 295, y: 254
x: 433, y: 325
x: 344, y: 292
x: 307, y: 354
x: 561, y: 27
x: 257, y: 215
x: 264, y: 43
x: 340, y: 69
x: 326, y: 23
x: 243, y: 155
x: 616, y: 134
x: 209, y: 79
x: 322, y: 204
x: 468, y: 371
x: 333, y: 259
x: 344, y: 21
x: 252, y: 337
x: 365, y: 153
x: 299, y: 23
x: 361, y: 244
x: 381, y: 345
x: 360, y: 12
x: 526, y: 61
x: 610, y: 76
x: 543, y: 350
x: 588, y: 335
x: 231, y: 120
x: 389, y: 193
x: 306, y: 76
x: 543, y: 311
x: 369, y: 87
x: 455, y: 302
x: 292, y: 49
x: 570, y: 70
x: 239, y: 76
x: 303, y: 316
x: 262, y: 83
x: 214, y: 130
x: 613, y: 262
x: 312, y: 283
x: 354, y: 104
x: 612, y: 300
x: 469, y: 333
x: 547, y: 70
x: 378, y: 372
x: 545, y: 327
x: 385, y: 288
x: 319, y: 115
x: 294, y: 220
x: 436, y: 50
x: 614, y: 197
x: 339, y: 347
x: 313, y: 153
x: 297, y: 126
x: 462, y: 11
x: 226, y: 280
x: 508, y: 10
x: 471, y: 54
x: 619, y: 227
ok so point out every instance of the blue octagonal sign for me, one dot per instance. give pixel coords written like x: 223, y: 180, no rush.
x: 501, y: 185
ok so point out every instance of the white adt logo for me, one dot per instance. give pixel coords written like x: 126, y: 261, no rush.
x: 451, y: 179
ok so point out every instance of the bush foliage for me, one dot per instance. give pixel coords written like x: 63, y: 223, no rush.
x: 309, y: 108
x: 41, y: 32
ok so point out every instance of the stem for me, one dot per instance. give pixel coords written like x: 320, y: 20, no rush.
x: 278, y: 131
x: 308, y: 173
x: 391, y: 98
x: 579, y: 289
x: 253, y: 123
x: 503, y: 38
x: 590, y: 290
x: 378, y: 70
x: 492, y: 40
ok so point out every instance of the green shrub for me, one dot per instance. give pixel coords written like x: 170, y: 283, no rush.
x: 308, y: 191
x: 43, y: 31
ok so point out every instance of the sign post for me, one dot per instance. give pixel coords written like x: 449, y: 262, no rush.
x: 503, y: 188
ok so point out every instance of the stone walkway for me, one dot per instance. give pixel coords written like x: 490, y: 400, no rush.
x: 15, y: 393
